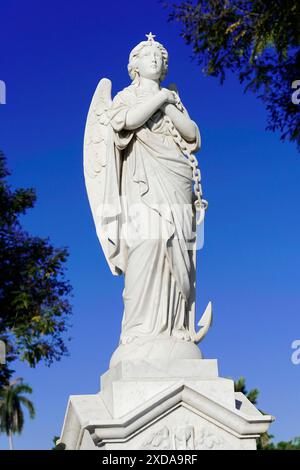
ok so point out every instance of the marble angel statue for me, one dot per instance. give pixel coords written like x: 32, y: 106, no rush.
x: 143, y: 185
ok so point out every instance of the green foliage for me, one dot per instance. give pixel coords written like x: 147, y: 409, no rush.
x: 34, y: 306
x: 257, y: 40
x: 240, y: 386
x: 294, y: 444
x: 264, y: 441
x: 12, y: 402
x: 60, y: 446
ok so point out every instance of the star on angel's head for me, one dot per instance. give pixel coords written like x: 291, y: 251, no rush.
x: 150, y: 37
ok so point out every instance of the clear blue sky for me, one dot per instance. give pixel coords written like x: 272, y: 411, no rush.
x: 52, y: 55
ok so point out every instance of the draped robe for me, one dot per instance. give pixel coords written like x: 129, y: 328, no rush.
x: 148, y: 222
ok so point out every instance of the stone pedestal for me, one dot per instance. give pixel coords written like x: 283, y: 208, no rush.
x: 168, y: 404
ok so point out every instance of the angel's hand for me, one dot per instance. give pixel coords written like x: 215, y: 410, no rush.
x: 169, y: 95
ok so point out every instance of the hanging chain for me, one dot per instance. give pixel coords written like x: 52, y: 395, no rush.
x: 200, y: 204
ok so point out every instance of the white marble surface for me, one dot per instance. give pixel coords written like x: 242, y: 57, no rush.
x: 159, y: 392
x: 139, y: 409
x: 143, y: 185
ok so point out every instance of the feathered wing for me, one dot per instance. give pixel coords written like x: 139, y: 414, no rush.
x: 95, y: 146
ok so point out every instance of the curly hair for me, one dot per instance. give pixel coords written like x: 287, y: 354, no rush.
x: 133, y: 57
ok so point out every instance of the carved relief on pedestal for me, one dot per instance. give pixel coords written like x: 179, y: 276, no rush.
x: 183, y: 438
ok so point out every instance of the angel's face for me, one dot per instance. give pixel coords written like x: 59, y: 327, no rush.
x: 150, y: 62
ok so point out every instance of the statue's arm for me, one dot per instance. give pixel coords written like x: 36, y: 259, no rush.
x: 183, y: 123
x: 139, y: 114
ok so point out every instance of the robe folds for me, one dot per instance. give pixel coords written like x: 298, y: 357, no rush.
x: 148, y: 222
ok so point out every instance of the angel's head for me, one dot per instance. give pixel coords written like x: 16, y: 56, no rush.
x: 148, y: 59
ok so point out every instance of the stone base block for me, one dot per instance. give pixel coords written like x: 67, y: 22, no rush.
x: 181, y: 404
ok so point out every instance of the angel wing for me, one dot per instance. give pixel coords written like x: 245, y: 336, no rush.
x: 94, y: 152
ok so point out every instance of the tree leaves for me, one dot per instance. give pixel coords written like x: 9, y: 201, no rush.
x: 258, y: 41
x: 34, y: 295
x: 11, y: 402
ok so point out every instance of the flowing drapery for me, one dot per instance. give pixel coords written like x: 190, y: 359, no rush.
x: 149, y: 222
